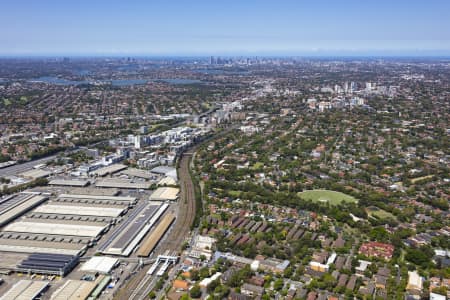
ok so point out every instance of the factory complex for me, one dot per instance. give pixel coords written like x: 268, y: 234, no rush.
x: 74, y: 233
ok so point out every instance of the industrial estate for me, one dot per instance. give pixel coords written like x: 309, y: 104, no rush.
x: 64, y: 231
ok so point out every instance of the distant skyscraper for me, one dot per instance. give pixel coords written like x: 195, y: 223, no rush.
x: 144, y: 129
x: 137, y: 142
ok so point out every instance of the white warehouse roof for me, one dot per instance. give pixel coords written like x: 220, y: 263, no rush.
x: 123, y: 183
x: 25, y: 289
x: 109, y: 169
x: 96, y: 197
x: 56, y: 229
x: 101, y: 264
x: 69, y: 182
x: 79, y: 210
x: 164, y: 193
x: 35, y: 173
x: 167, y: 181
x: 74, y: 289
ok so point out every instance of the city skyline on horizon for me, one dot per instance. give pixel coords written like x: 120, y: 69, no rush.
x: 263, y: 28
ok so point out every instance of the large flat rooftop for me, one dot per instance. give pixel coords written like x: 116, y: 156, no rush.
x: 123, y: 184
x: 138, y: 173
x: 55, y: 229
x: 130, y: 228
x: 35, y: 173
x: 16, y: 205
x: 97, y: 197
x: 109, y: 170
x: 25, y: 289
x: 79, y: 210
x: 34, y: 246
x: 69, y: 182
x: 74, y: 290
x: 164, y: 193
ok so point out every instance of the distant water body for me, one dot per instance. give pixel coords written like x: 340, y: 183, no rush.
x: 125, y: 82
x: 119, y: 82
x: 222, y: 72
x: 180, y: 81
x: 58, y: 81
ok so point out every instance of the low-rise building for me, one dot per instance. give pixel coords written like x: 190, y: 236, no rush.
x: 252, y: 290
x: 376, y: 249
x: 415, y: 282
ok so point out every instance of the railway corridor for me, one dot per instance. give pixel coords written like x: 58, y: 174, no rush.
x: 138, y: 285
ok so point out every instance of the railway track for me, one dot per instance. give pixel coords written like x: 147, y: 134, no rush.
x: 137, y: 286
x: 186, y: 208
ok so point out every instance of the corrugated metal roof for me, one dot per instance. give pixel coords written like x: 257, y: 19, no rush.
x: 74, y: 290
x: 55, y: 229
x: 25, y: 290
x: 165, y: 193
x: 79, y: 210
x: 102, y: 264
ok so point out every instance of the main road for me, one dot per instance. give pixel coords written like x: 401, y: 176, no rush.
x: 138, y: 285
x: 20, y: 168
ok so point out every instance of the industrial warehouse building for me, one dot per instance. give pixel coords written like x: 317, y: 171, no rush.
x: 123, y: 184
x: 111, y: 169
x: 55, y: 229
x: 165, y: 194
x: 79, y: 210
x: 132, y: 172
x: 100, y: 264
x: 81, y: 289
x: 66, y: 225
x: 127, y: 236
x: 26, y: 289
x: 150, y: 243
x: 14, y: 206
x: 35, y: 174
x: 74, y: 289
x: 96, y: 199
x: 50, y: 264
x: 166, y: 171
x: 69, y: 182
x: 46, y: 234
x: 167, y: 181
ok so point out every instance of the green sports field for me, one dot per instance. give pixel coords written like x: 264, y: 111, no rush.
x: 326, y: 196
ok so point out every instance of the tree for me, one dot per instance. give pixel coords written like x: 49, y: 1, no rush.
x: 421, y: 256
x: 440, y: 290
x: 195, y: 291
x: 212, y: 286
x: 195, y: 275
x: 185, y: 297
x: 278, y: 284
x: 204, y: 272
x: 379, y: 234
x: 288, y: 272
x: 185, y: 246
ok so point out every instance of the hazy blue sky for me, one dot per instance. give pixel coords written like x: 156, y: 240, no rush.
x: 221, y: 27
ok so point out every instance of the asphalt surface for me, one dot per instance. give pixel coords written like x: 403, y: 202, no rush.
x: 20, y: 168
